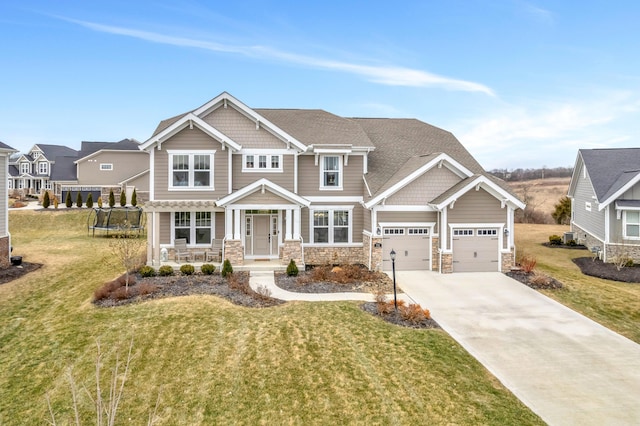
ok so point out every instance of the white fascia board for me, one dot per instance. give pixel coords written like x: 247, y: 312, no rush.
x: 449, y: 162
x: 405, y: 208
x: 574, y: 179
x: 491, y: 187
x: 134, y: 177
x: 185, y: 121
x: 332, y: 150
x: 238, y: 105
x: 255, y: 186
x: 619, y: 192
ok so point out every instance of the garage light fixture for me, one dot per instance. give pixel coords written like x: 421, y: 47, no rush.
x: 506, y: 232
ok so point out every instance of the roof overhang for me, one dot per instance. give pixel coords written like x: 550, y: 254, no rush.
x: 437, y: 161
x: 263, y: 185
x: 136, y: 176
x: 100, y: 151
x: 603, y: 204
x: 189, y: 120
x: 476, y: 184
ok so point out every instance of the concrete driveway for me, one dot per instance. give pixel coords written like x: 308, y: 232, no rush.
x: 567, y: 368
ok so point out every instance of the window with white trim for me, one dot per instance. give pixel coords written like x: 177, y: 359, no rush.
x: 331, y: 172
x: 631, y: 224
x: 106, y: 167
x: 587, y: 206
x: 393, y: 231
x: 418, y: 231
x: 261, y: 162
x: 487, y: 232
x: 195, y: 227
x: 43, y: 168
x: 191, y: 170
x: 10, y: 183
x: 462, y: 232
x: 331, y: 226
x: 25, y: 168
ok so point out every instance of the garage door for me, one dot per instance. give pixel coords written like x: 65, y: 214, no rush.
x: 475, y: 250
x: 412, y: 247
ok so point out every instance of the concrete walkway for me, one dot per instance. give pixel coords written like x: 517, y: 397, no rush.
x: 567, y: 368
x: 266, y: 279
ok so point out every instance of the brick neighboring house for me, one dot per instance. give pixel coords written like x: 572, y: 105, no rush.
x: 5, y: 236
x: 312, y: 186
x: 605, y: 202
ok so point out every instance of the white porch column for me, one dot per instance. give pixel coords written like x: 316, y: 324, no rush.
x: 287, y: 235
x: 155, y: 243
x: 228, y: 223
x: 236, y: 224
x: 296, y: 223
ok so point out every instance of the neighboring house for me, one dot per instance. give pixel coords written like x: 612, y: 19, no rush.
x: 103, y: 166
x: 5, y: 236
x: 605, y: 202
x: 31, y: 172
x: 318, y: 188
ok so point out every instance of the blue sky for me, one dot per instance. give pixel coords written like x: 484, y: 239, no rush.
x: 520, y: 83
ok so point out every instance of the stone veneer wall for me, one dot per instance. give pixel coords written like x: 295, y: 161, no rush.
x: 447, y: 263
x: 435, y: 256
x: 292, y: 249
x: 5, y: 253
x: 586, y: 239
x: 507, y: 261
x: 317, y: 255
x: 234, y: 252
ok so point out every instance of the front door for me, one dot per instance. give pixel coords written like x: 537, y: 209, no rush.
x: 261, y: 235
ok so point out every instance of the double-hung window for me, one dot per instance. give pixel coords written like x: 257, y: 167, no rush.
x: 632, y: 224
x: 43, y: 168
x: 196, y: 227
x: 191, y: 169
x: 331, y: 226
x: 331, y: 172
x: 25, y: 168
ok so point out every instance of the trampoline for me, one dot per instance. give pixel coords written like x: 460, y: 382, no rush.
x: 116, y: 219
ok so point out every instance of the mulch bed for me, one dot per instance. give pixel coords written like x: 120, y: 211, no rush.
x: 607, y: 271
x: 14, y: 272
x: 236, y: 291
x: 396, y: 318
x: 535, y: 280
x: 565, y: 246
x: 304, y: 284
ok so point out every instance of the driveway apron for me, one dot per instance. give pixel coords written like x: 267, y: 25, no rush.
x: 567, y: 368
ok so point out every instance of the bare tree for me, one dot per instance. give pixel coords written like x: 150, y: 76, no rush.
x: 128, y: 250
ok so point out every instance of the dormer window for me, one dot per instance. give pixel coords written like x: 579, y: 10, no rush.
x: 331, y: 172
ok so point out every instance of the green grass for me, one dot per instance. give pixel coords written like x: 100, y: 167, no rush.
x: 613, y: 304
x: 214, y: 362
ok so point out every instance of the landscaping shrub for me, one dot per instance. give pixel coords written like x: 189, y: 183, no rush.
x: 528, y: 263
x: 134, y: 198
x: 147, y: 271
x: 412, y: 313
x: 111, y: 289
x: 237, y: 282
x: 572, y: 243
x: 121, y: 293
x: 45, y: 200
x: 123, y: 199
x: 207, y: 269
x: 292, y: 269
x: 145, y: 288
x: 165, y: 271
x: 100, y: 201
x: 555, y: 240
x: 187, y: 269
x: 227, y: 269
x: 89, y: 201
x: 67, y: 200
x: 112, y: 198
x: 79, y: 200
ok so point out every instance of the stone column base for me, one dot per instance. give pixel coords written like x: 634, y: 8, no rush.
x: 234, y: 252
x: 292, y: 249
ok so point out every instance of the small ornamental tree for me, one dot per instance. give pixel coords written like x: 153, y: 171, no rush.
x: 89, y: 201
x: 67, y: 200
x: 227, y: 269
x: 292, y: 269
x: 112, y: 198
x: 134, y: 198
x: 45, y: 200
x: 562, y: 212
x: 123, y: 199
x: 79, y: 199
x: 100, y: 201
x: 55, y: 202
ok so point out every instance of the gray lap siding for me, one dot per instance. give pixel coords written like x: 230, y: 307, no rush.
x: 591, y: 221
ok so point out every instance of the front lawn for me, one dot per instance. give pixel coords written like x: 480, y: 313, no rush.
x: 614, y: 304
x: 214, y: 362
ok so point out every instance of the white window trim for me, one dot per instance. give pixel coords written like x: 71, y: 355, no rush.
x: 340, y: 173
x: 256, y: 168
x: 463, y: 232
x: 192, y: 227
x: 25, y: 168
x: 191, y: 153
x: 587, y: 206
x: 106, y: 167
x: 331, y: 209
x: 43, y: 170
x: 624, y: 227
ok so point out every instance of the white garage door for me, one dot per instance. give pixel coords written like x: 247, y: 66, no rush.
x: 475, y: 250
x: 412, y: 247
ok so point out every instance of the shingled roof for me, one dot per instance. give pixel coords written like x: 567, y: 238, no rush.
x: 610, y: 169
x: 52, y: 151
x: 88, y: 148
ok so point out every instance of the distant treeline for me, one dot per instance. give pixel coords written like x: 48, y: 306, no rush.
x: 529, y: 174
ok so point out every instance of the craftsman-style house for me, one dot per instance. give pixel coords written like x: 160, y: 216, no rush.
x: 318, y: 188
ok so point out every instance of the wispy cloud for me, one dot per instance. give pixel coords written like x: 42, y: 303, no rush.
x: 385, y: 75
x: 538, y: 13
